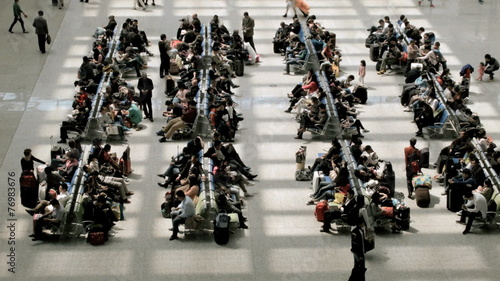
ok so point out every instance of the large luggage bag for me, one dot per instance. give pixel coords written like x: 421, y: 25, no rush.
x: 389, y: 177
x: 454, y: 200
x: 29, y: 189
x: 316, y: 180
x: 221, y: 228
x: 169, y: 84
x: 374, y: 52
x: 239, y: 67
x: 320, y: 210
x: 125, y: 164
x: 422, y: 180
x: 422, y: 196
x: 402, y: 216
x: 278, y: 46
x: 424, y: 157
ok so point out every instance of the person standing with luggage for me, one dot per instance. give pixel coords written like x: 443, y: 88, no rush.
x: 358, y: 251
x: 412, y: 156
x: 42, y: 30
x: 28, y: 161
x: 163, y: 47
x: 247, y: 25
x: 17, y: 16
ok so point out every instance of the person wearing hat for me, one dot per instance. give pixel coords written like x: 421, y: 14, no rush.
x: 463, y: 183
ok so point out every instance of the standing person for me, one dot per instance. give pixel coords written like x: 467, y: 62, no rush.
x: 362, y: 71
x: 358, y: 251
x: 28, y: 161
x: 146, y: 2
x: 430, y: 1
x: 42, y: 30
x: 145, y: 85
x: 290, y: 4
x: 491, y: 65
x: 247, y: 25
x: 60, y: 4
x: 480, y: 69
x: 179, y: 215
x: 476, y: 206
x: 303, y: 7
x: 164, y: 46
x: 17, y: 16
x: 412, y: 154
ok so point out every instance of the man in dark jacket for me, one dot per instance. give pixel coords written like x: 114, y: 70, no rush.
x: 41, y: 30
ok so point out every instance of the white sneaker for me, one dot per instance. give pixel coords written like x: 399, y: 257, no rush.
x: 366, y: 131
x: 459, y: 213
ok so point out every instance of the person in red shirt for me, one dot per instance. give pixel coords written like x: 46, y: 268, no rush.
x: 410, y: 152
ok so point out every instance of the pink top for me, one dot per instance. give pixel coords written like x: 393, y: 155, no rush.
x: 362, y: 71
x: 312, y: 87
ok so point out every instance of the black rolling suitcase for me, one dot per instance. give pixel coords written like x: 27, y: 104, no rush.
x: 424, y: 157
x: 402, y: 216
x: 239, y: 67
x: 389, y: 177
x: 221, y: 228
x: 454, y: 200
x: 169, y: 84
x: 374, y: 52
x: 277, y: 47
x: 29, y: 189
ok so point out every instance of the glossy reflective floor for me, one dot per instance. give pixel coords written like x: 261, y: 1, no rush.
x: 283, y: 241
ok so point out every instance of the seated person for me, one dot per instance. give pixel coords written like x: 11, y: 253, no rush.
x: 392, y: 56
x: 310, y: 118
x: 188, y: 117
x: 486, y: 190
x: 224, y: 204
x: 462, y: 184
x: 176, y: 164
x: 69, y: 168
x: 296, y: 59
x: 371, y: 156
x: 347, y: 209
x: 76, y: 123
x: 220, y: 154
x: 52, y: 218
x: 63, y: 196
x: 183, y: 211
x: 476, y: 206
x: 133, y: 114
x: 99, y: 212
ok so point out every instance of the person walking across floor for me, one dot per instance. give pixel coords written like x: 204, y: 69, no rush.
x: 41, y: 30
x: 412, y: 164
x: 358, y: 251
x: 247, y: 25
x: 430, y: 1
x: 17, y: 16
x: 290, y: 4
x: 145, y: 85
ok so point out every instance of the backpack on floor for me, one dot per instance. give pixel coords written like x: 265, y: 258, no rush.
x: 320, y: 210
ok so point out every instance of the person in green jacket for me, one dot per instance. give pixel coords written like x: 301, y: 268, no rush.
x: 17, y: 16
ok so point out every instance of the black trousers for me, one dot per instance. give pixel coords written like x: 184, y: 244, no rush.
x: 250, y: 41
x: 147, y: 107
x: 41, y: 42
x: 16, y: 19
x: 471, y: 216
x: 164, y: 65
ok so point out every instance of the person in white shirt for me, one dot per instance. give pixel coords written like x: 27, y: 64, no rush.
x: 476, y: 206
x: 179, y: 215
x: 63, y: 196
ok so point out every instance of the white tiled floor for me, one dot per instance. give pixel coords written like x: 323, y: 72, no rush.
x: 283, y: 241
